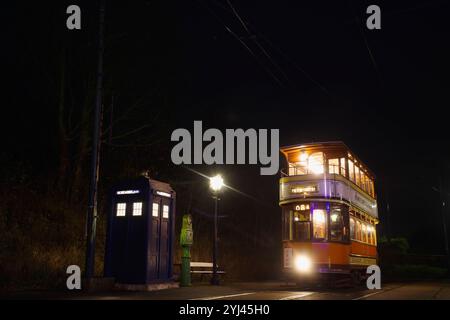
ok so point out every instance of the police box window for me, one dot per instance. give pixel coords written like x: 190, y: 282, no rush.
x: 137, y: 209
x: 121, y: 209
x: 166, y: 211
x: 155, y: 209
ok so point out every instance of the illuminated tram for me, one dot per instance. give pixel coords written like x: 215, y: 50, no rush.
x: 329, y: 213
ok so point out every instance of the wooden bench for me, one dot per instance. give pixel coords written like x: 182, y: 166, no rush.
x: 203, y: 268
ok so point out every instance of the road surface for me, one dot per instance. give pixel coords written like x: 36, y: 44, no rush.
x: 421, y: 290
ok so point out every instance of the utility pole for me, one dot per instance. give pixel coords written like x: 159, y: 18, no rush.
x: 92, y: 205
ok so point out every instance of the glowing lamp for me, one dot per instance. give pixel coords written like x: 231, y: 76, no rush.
x: 303, y: 263
x: 216, y: 183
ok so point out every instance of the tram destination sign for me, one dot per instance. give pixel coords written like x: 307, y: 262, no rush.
x: 304, y: 188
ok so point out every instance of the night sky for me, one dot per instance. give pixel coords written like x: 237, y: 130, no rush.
x: 322, y: 76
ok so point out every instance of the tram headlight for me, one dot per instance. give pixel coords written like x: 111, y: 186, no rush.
x: 302, y: 263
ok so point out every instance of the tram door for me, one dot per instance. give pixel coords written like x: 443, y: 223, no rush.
x: 160, y: 229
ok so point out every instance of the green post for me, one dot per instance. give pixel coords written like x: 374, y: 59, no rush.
x: 186, y: 240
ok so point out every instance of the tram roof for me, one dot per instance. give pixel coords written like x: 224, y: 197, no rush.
x: 325, y: 144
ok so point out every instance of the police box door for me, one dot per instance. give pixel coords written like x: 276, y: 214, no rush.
x: 159, y: 248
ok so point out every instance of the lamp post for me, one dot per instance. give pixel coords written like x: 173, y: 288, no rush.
x: 216, y: 184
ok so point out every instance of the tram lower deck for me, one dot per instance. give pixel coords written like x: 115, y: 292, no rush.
x: 323, y: 237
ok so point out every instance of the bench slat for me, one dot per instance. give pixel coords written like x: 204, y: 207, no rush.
x: 201, y: 264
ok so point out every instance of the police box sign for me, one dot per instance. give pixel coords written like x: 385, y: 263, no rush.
x: 122, y: 192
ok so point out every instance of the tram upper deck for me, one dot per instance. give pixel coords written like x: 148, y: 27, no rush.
x: 328, y: 171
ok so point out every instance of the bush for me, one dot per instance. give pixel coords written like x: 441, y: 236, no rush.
x: 41, y: 236
x: 394, y: 245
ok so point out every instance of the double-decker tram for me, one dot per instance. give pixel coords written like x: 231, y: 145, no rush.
x: 329, y: 213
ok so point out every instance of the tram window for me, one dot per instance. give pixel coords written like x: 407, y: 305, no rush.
x: 319, y: 224
x: 315, y: 163
x: 333, y: 166
x: 297, y: 168
x: 374, y: 236
x: 336, y: 225
x: 121, y: 209
x: 351, y: 170
x: 364, y: 233
x: 352, y: 228
x: 301, y: 225
x: 372, y: 189
x: 292, y: 169
x: 343, y: 171
x: 358, y: 230
x: 312, y: 164
x: 369, y: 234
x: 357, y: 175
x: 364, y: 181
x: 302, y: 231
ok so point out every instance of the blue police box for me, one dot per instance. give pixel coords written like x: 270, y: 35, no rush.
x: 139, y: 243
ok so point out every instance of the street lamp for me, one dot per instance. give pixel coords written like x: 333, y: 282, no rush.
x: 215, y: 183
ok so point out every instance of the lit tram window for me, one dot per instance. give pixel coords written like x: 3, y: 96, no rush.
x: 364, y: 182
x: 364, y: 233
x: 357, y: 176
x: 352, y: 229
x: 291, y: 169
x: 300, y: 225
x: 137, y: 209
x: 155, y: 209
x: 351, y: 170
x: 358, y: 230
x: 372, y: 189
x: 121, y: 209
x: 373, y: 235
x: 343, y: 170
x: 312, y: 164
x: 315, y: 163
x: 333, y: 166
x: 336, y: 225
x: 319, y: 224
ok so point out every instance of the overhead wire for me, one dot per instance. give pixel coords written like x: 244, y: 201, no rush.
x: 256, y: 34
x: 267, y: 70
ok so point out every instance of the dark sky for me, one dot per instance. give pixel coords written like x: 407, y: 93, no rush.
x: 383, y: 92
